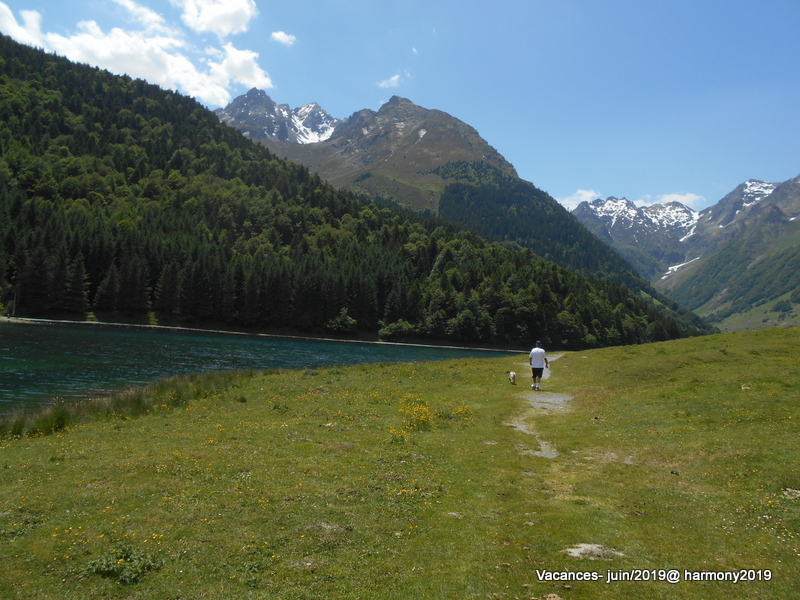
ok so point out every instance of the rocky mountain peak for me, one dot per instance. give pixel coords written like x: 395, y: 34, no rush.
x: 257, y: 116
x: 745, y: 195
x: 620, y: 213
x: 391, y: 152
x: 672, y: 215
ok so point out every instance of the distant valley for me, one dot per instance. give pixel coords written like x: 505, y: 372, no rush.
x: 737, y: 263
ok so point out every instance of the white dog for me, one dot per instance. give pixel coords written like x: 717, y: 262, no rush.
x: 512, y: 377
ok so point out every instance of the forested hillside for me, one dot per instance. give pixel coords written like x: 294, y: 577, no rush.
x: 122, y: 199
x: 432, y: 163
x: 501, y: 206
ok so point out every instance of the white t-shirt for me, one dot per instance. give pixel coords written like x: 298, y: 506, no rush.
x: 537, y: 358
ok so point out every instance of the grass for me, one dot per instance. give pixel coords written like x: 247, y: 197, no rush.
x: 169, y: 392
x: 407, y: 481
x: 760, y: 316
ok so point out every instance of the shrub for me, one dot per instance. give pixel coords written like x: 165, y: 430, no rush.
x: 53, y: 418
x: 344, y: 323
x: 783, y: 306
x: 397, y: 331
x: 124, y: 564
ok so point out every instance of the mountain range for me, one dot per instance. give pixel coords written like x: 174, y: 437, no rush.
x: 737, y: 262
x: 430, y: 162
x: 712, y: 261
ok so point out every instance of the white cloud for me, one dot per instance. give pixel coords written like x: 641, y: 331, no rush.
x: 149, y: 18
x: 223, y: 17
x: 690, y: 200
x: 131, y: 52
x: 570, y: 202
x: 242, y: 67
x: 30, y: 33
x: 156, y: 54
x: 283, y: 38
x: 392, y: 82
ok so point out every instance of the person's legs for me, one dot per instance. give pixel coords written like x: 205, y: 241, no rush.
x: 537, y: 377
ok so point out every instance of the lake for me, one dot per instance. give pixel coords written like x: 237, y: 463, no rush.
x: 40, y: 362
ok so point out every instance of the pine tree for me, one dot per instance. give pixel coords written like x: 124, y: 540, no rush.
x: 168, y: 291
x: 33, y: 286
x: 76, y: 301
x: 108, y: 291
x: 134, y: 295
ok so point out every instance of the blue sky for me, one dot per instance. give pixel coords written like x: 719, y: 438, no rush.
x: 652, y: 100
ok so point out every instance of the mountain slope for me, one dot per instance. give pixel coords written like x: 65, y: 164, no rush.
x: 649, y: 238
x: 135, y: 203
x: 747, y: 259
x: 259, y: 118
x: 725, y: 261
x: 432, y: 162
x: 388, y: 153
x: 506, y: 208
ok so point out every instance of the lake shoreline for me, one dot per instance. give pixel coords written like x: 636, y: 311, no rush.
x: 284, y: 336
x: 48, y: 359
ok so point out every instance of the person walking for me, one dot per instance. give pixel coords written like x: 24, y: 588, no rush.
x: 538, y: 363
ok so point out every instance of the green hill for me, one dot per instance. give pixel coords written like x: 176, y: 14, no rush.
x: 126, y: 201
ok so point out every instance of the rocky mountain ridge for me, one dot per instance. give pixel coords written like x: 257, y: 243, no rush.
x: 259, y: 118
x: 388, y: 153
x: 714, y: 260
x: 671, y: 232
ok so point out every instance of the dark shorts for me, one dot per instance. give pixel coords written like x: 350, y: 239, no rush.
x: 537, y: 371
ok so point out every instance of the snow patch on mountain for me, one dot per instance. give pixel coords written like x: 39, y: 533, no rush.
x: 312, y: 124
x: 674, y: 268
x: 258, y: 117
x: 755, y: 191
x: 690, y: 234
x: 739, y: 201
x: 613, y: 209
x: 673, y: 215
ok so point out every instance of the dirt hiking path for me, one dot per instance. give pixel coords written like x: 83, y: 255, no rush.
x: 541, y: 402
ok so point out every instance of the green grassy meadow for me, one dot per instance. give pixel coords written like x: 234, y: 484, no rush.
x: 427, y: 480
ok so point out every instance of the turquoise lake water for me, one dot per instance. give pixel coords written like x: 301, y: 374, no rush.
x: 40, y: 362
